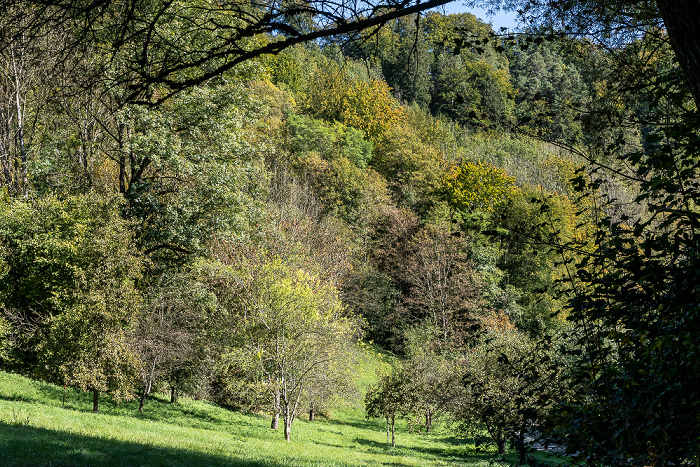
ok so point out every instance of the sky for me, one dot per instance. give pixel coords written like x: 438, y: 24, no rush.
x: 501, y: 19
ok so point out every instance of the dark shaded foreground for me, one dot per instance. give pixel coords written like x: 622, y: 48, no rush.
x: 29, y: 446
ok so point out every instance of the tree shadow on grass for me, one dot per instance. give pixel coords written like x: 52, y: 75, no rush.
x: 463, y: 455
x: 157, y: 408
x: 358, y: 423
x: 29, y: 446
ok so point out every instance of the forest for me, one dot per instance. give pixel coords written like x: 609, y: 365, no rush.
x: 229, y: 201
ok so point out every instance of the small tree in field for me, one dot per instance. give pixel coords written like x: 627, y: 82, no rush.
x: 501, y: 386
x: 387, y: 399
x: 294, y: 332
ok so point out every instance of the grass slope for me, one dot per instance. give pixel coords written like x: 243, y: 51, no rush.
x: 35, y: 430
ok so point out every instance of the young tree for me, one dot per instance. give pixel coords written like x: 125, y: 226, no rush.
x: 387, y: 399
x: 431, y: 374
x: 499, y: 383
x: 170, y: 336
x: 293, y: 330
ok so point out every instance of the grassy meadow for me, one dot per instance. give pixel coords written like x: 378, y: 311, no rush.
x: 36, y: 430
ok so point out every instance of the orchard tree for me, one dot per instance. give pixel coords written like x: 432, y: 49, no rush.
x: 388, y: 399
x: 174, y: 336
x: 501, y: 385
x: 70, y: 291
x: 432, y: 376
x: 294, y: 331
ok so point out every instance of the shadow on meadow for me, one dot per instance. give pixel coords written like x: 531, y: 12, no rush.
x: 458, y: 454
x: 157, y: 408
x: 359, y: 423
x: 28, y: 446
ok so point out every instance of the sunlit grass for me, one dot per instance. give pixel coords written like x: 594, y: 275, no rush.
x: 36, y: 430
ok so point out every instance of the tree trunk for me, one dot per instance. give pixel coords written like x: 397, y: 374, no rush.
x: 144, y: 393
x: 95, y: 400
x: 393, y: 438
x: 22, y: 185
x: 287, y: 425
x: 684, y: 31
x: 501, y: 442
x: 173, y: 394
x: 521, y: 446
x: 276, y: 415
x: 388, y: 431
x: 311, y: 412
x: 428, y: 420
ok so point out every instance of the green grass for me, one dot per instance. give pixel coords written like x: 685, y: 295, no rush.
x: 35, y: 430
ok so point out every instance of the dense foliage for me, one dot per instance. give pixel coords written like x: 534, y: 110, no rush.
x: 513, y: 216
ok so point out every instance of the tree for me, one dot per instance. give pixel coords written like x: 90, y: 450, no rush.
x: 23, y: 65
x: 294, y: 332
x: 550, y: 92
x: 444, y: 288
x: 183, y: 169
x: 431, y: 374
x: 370, y: 294
x: 402, y: 53
x: 174, y: 334
x: 473, y: 93
x: 633, y: 308
x: 387, y: 399
x: 499, y: 382
x: 477, y: 186
x: 70, y: 291
x: 411, y: 167
x: 365, y: 104
x: 622, y: 22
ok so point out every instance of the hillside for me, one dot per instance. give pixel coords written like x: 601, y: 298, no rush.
x: 36, y: 430
x: 229, y: 203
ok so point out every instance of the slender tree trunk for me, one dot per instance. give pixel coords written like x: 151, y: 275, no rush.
x: 311, y: 412
x: 122, y: 174
x: 144, y: 393
x: 22, y: 162
x: 521, y: 441
x: 95, y: 400
x: 287, y: 424
x: 173, y: 394
x: 428, y: 420
x: 393, y: 431
x: 276, y: 415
